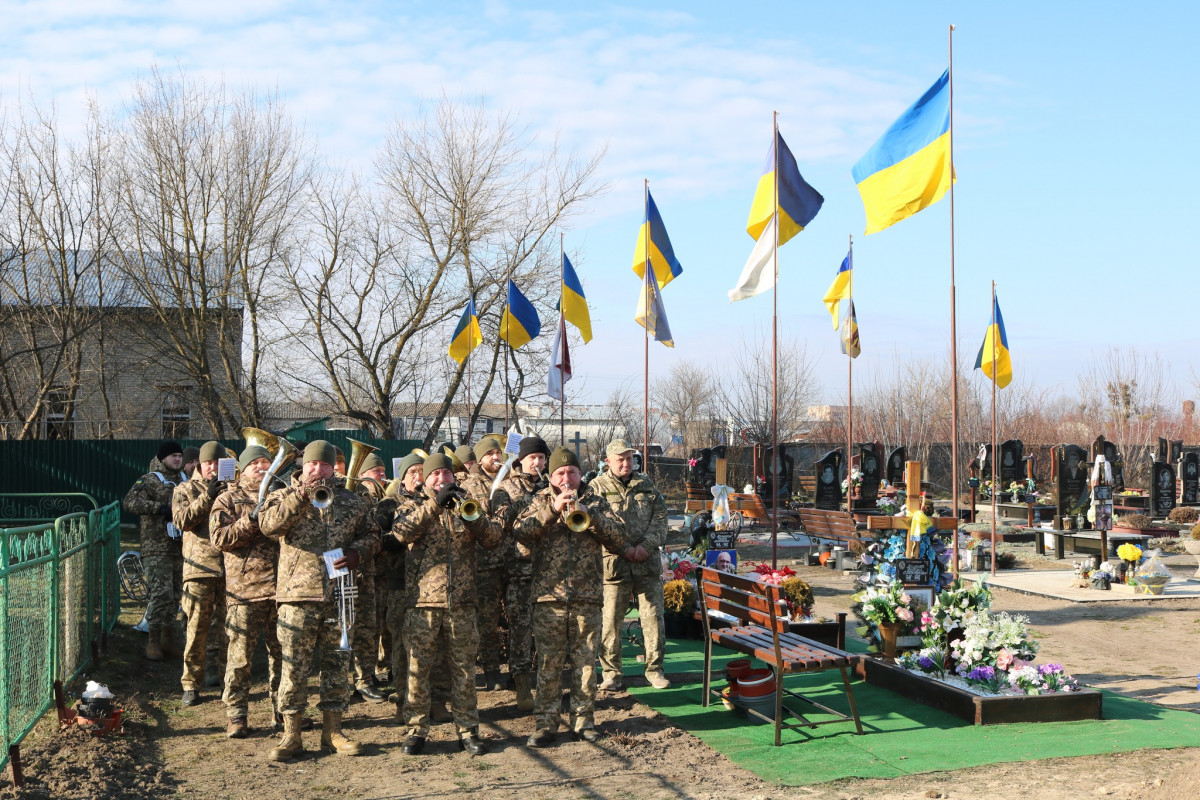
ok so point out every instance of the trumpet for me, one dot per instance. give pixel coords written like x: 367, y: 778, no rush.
x: 344, y: 593
x: 322, y: 495
x: 467, y: 509
x: 577, y: 518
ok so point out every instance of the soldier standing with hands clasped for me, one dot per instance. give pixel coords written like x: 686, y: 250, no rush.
x: 308, y: 617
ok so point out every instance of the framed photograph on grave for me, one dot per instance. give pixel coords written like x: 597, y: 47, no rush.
x: 923, y: 597
x: 723, y: 560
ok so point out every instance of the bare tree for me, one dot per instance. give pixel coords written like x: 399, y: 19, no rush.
x: 744, y: 396
x: 686, y: 396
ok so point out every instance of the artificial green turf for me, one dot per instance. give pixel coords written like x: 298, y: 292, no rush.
x: 901, y: 737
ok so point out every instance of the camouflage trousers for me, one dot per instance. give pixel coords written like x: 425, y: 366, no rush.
x: 304, y: 630
x: 395, y: 625
x: 648, y: 589
x: 204, y: 606
x: 562, y: 631
x: 518, y: 607
x: 437, y: 636
x: 244, y: 623
x: 490, y: 587
x: 164, y: 581
x: 383, y: 654
x: 364, y: 636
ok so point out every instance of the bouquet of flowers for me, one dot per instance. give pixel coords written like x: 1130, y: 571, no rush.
x: 888, y: 505
x: 774, y: 577
x: 1046, y: 679
x: 887, y: 604
x: 676, y: 566
x: 1129, y: 552
x: 855, y: 481
x: 1000, y: 641
x: 955, y: 604
x: 798, y: 596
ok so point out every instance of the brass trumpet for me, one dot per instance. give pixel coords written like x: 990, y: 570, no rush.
x: 467, y: 508
x: 322, y: 495
x: 577, y: 518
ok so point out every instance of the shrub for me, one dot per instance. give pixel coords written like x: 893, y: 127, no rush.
x: 1134, y: 521
x: 1196, y: 531
x: 1184, y: 514
x: 798, y: 593
x: 679, y: 596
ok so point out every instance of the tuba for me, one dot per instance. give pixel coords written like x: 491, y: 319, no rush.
x: 283, y: 452
x: 358, y: 452
x: 455, y: 464
x: 133, y: 576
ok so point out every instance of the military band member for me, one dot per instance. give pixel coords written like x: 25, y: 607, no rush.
x: 491, y: 564
x: 250, y: 560
x: 568, y: 595
x: 404, y: 493
x: 308, y: 615
x: 440, y: 601
x: 161, y: 547
x: 373, y: 475
x: 366, y: 616
x: 203, y: 572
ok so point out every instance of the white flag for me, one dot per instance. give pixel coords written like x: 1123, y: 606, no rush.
x: 758, y: 275
x: 560, y: 362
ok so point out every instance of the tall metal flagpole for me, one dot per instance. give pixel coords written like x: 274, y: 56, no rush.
x: 562, y: 331
x: 648, y: 267
x: 774, y: 507
x: 995, y: 450
x: 953, y: 325
x: 850, y: 388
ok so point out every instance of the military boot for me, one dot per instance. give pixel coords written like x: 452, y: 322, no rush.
x: 332, y: 737
x: 169, y: 648
x: 524, y: 691
x: 290, y: 744
x: 154, y: 644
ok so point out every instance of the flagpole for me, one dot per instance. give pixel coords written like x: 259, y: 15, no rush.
x: 953, y: 326
x: 995, y: 450
x: 648, y: 267
x: 774, y: 509
x: 562, y: 386
x: 507, y: 356
x: 850, y: 387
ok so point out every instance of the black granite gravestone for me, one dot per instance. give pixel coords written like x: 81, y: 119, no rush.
x: 828, y: 472
x: 1072, y: 483
x: 1109, y: 450
x: 1011, y: 453
x: 1189, y: 479
x: 1162, y: 489
x: 869, y: 472
x: 778, y: 473
x: 1176, y: 451
x: 895, y: 466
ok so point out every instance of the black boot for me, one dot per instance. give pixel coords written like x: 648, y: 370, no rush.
x: 472, y: 743
x: 413, y: 746
x: 542, y: 739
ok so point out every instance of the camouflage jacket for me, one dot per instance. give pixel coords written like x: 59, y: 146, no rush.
x: 643, y: 512
x: 392, y: 552
x: 568, y: 567
x: 190, y: 507
x: 439, y: 568
x: 511, y: 498
x: 372, y: 493
x: 305, y: 532
x: 145, y: 498
x: 478, y: 484
x: 250, y: 557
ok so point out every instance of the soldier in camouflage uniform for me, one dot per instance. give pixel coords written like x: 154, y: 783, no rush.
x: 513, y: 494
x: 250, y: 560
x: 637, y: 570
x: 374, y: 469
x: 492, y: 565
x: 402, y: 492
x: 365, y: 638
x: 307, y: 611
x: 567, y: 580
x: 161, y: 547
x: 440, y: 598
x: 203, y: 571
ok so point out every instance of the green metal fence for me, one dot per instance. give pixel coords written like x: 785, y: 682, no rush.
x: 59, y: 599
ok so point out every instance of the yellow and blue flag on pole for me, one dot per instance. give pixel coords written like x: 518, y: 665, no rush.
x: 654, y: 243
x: 994, y: 358
x: 520, y: 323
x: 574, y: 303
x: 467, y: 335
x: 909, y: 167
x: 651, y: 314
x: 838, y: 290
x: 851, y: 345
x: 798, y: 202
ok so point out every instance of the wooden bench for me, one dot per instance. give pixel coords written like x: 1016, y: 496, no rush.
x: 808, y: 485
x: 759, y: 630
x: 820, y: 523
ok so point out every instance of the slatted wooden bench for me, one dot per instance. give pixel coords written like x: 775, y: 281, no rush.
x: 820, y: 523
x: 759, y: 630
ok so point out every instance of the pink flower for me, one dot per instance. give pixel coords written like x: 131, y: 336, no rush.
x: 691, y: 462
x: 905, y: 599
x: 1004, y: 659
x: 904, y: 614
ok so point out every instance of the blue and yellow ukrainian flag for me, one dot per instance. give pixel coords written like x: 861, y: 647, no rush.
x: 574, y: 303
x: 666, y: 266
x: 909, y: 167
x: 466, y: 334
x: 839, y: 290
x: 520, y: 324
x: 651, y: 314
x: 798, y: 202
x: 994, y: 358
x: 851, y: 345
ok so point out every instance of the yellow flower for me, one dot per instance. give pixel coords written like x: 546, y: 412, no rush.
x: 1129, y: 552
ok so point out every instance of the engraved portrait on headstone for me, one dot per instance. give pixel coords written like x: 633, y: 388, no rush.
x: 829, y: 484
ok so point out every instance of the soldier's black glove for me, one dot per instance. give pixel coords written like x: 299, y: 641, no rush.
x: 448, y: 495
x: 164, y: 511
x: 385, y: 514
x: 215, y: 488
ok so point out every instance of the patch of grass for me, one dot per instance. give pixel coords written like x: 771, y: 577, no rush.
x: 482, y: 766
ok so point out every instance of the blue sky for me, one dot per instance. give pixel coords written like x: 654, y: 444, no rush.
x: 1073, y: 128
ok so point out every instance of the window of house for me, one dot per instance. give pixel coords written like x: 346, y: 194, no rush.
x: 176, y: 414
x: 58, y: 414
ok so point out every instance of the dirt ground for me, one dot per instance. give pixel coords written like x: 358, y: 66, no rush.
x: 1143, y: 650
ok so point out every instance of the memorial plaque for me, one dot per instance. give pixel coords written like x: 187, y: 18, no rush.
x: 868, y: 460
x: 1072, y: 480
x: 778, y: 471
x: 1011, y: 453
x: 1189, y: 479
x: 912, y: 571
x: 828, y: 472
x: 1162, y: 489
x: 895, y: 466
x: 722, y: 540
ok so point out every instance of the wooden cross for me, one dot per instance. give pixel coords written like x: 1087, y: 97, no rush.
x: 577, y: 440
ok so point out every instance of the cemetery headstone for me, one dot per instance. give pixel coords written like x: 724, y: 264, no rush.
x: 1109, y: 450
x: 983, y: 460
x: 1176, y: 451
x: 1189, y: 479
x: 704, y: 473
x: 1162, y: 489
x: 1011, y: 453
x: 868, y: 460
x: 828, y: 473
x: 1072, y: 484
x: 895, y: 466
x: 778, y: 472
